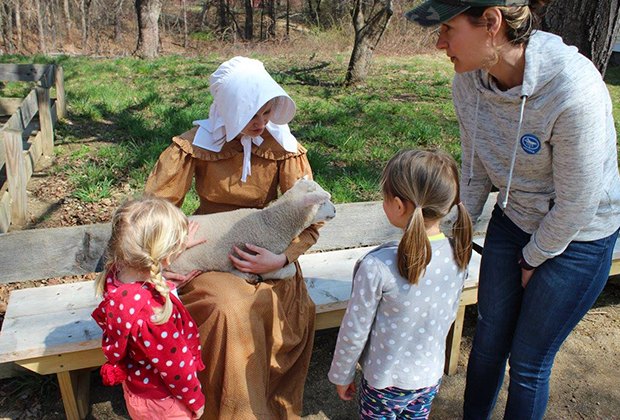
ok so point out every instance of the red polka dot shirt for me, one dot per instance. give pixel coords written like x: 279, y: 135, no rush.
x: 157, y: 360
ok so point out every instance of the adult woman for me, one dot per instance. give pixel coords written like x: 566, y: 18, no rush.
x: 536, y: 121
x: 256, y: 339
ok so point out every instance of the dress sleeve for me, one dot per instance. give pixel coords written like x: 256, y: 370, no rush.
x: 171, y: 355
x: 290, y: 171
x: 171, y: 178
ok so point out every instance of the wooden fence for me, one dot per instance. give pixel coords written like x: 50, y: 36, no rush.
x: 26, y: 138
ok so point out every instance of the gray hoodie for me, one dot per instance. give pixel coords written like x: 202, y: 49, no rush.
x: 548, y: 145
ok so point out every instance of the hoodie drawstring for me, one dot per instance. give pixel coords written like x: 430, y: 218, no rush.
x: 514, y: 152
x: 473, y: 142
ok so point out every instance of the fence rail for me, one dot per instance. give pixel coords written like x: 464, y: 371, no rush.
x: 25, y: 139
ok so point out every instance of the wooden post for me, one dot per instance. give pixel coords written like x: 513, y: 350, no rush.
x: 45, y: 120
x: 16, y: 175
x: 59, y: 81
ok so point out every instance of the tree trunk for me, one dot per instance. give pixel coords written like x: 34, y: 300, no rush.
x: 40, y: 17
x: 222, y: 12
x: 315, y: 12
x: 118, y: 19
x: 84, y: 11
x: 288, y: 18
x: 18, y: 25
x: 248, y: 32
x: 185, y: 33
x: 590, y: 25
x: 148, y: 28
x: 370, y: 19
x: 6, y: 25
x: 65, y: 8
x: 271, y: 13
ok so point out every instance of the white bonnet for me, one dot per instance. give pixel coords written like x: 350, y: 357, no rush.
x: 240, y: 87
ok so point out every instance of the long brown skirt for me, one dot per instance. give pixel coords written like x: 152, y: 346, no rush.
x: 256, y: 344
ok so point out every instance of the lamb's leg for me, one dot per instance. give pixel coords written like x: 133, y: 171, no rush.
x: 282, y: 273
x: 249, y: 277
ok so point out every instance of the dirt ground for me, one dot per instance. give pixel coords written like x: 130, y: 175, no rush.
x: 584, y: 384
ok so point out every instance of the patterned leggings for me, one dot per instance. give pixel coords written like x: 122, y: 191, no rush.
x: 395, y: 403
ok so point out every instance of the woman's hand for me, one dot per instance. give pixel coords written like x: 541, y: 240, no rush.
x: 264, y: 261
x: 181, y: 279
x: 526, y: 275
x: 191, y: 241
x: 346, y: 392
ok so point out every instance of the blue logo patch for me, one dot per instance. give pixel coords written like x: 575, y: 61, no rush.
x: 530, y: 144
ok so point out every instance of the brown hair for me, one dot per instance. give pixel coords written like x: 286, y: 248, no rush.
x: 430, y: 181
x: 145, y: 232
x: 521, y: 21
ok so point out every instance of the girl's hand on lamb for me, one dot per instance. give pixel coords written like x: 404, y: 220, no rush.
x: 261, y: 262
x: 346, y: 392
x: 181, y: 279
x: 191, y: 241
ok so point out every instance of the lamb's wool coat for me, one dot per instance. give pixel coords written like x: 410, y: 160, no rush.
x: 272, y: 228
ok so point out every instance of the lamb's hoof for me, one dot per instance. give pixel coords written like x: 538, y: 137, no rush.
x: 254, y: 279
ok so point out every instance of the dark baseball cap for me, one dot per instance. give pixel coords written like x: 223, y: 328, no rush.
x: 434, y: 12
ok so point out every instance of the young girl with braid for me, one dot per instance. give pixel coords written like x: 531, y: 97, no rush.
x: 405, y: 294
x: 149, y: 339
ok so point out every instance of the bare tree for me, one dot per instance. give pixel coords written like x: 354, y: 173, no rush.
x: 18, y: 25
x: 6, y: 25
x: 118, y: 14
x: 314, y: 11
x: 65, y: 8
x: 84, y: 6
x: 184, y: 8
x: 40, y: 18
x: 370, y: 19
x: 271, y: 13
x: 248, y: 32
x: 148, y: 28
x: 590, y: 25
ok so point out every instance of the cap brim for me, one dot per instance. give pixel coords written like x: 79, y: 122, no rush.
x: 433, y: 12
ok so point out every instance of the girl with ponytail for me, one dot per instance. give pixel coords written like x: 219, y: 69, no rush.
x: 406, y: 294
x: 149, y: 339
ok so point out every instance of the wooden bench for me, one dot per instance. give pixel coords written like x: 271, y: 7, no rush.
x: 49, y: 329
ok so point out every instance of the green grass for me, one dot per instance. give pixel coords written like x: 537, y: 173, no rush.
x: 133, y: 107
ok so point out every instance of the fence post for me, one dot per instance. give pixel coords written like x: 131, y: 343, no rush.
x: 16, y: 175
x: 45, y: 120
x: 59, y: 81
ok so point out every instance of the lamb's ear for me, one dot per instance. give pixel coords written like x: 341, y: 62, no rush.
x: 315, y: 198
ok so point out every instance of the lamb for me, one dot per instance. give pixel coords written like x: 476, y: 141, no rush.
x: 272, y: 228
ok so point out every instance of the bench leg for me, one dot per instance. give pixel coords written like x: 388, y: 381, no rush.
x: 453, y: 342
x: 74, y: 387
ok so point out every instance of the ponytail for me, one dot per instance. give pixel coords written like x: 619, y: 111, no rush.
x: 414, y: 249
x: 462, y: 234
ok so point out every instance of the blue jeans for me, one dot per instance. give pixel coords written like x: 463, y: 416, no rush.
x: 527, y: 326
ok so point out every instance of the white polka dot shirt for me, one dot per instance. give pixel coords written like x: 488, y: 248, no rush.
x: 395, y: 330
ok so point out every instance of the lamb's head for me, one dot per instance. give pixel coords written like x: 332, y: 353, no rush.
x: 312, y: 195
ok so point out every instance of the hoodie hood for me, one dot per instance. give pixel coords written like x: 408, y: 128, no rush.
x: 546, y: 56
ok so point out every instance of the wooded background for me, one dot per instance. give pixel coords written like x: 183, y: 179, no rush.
x: 137, y: 26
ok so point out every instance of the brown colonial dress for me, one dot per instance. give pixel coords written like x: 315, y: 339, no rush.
x: 256, y: 339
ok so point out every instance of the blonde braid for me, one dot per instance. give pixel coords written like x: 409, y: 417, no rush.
x: 162, y: 315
